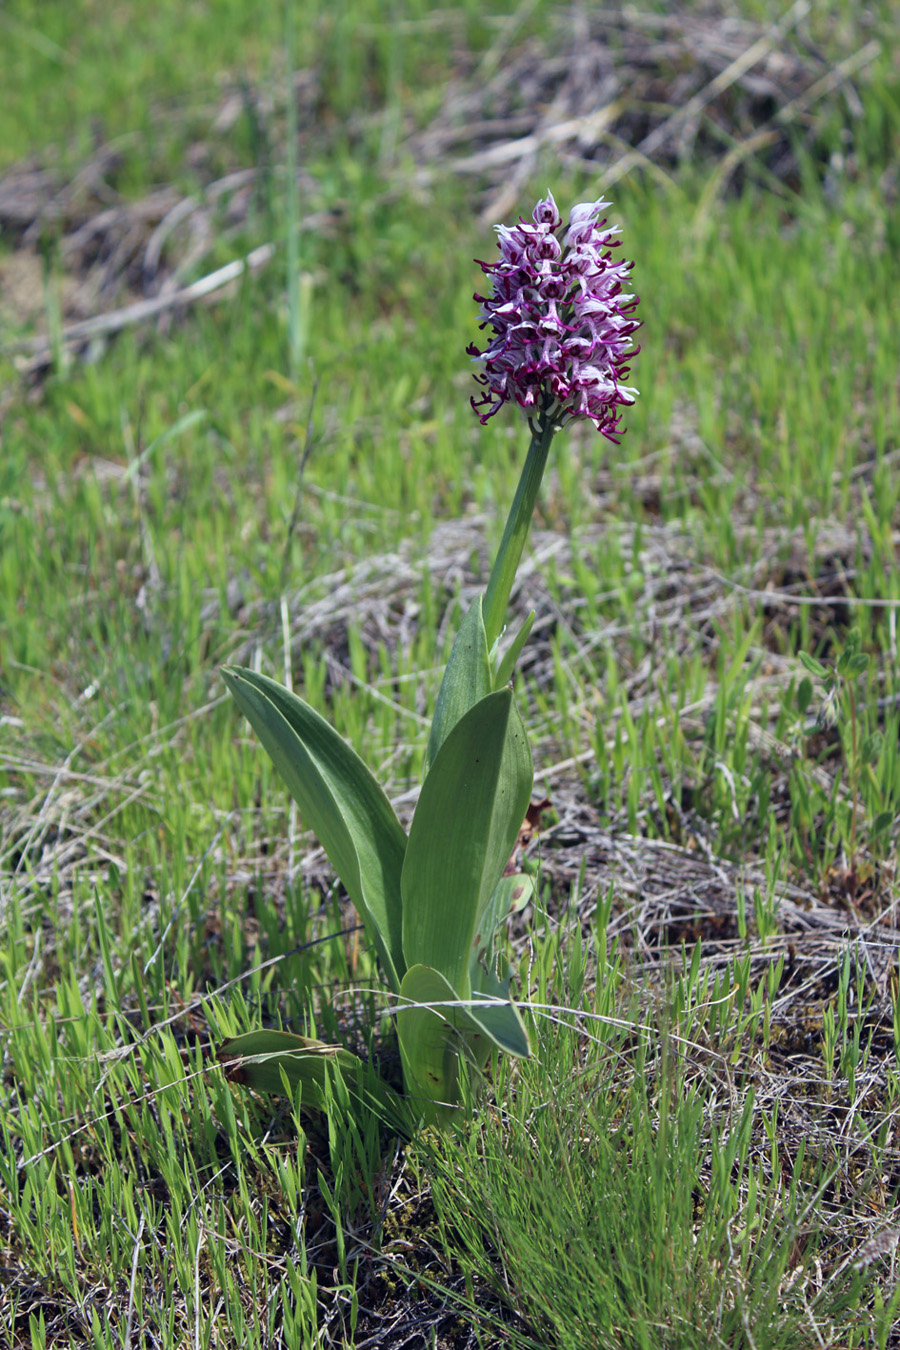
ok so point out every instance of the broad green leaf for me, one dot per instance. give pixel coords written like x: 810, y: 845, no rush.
x: 501, y: 1023
x: 436, y: 1040
x: 259, y: 1058
x: 467, y: 679
x: 442, y: 1036
x: 465, y: 827
x: 341, y: 802
x: 496, y: 1016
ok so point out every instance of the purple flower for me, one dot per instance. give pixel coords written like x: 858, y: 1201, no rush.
x: 561, y: 323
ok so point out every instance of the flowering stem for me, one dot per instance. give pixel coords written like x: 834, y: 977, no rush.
x: 503, y: 573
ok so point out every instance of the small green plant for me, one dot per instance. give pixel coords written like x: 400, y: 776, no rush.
x: 432, y: 901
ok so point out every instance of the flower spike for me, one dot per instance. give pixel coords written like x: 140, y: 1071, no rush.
x: 561, y: 321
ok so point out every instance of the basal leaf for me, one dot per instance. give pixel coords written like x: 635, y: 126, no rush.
x: 442, y: 1036
x: 341, y: 802
x: 465, y: 827
x: 259, y: 1058
x: 496, y: 1016
x: 435, y: 1043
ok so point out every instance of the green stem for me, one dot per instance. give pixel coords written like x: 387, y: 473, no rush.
x: 503, y: 573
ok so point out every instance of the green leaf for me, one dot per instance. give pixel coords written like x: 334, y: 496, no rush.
x: 442, y: 1036
x: 500, y: 1022
x: 341, y: 802
x: 465, y: 827
x: 804, y: 694
x: 496, y: 1016
x: 813, y: 666
x: 510, y: 895
x: 872, y: 747
x: 431, y: 1043
x: 466, y: 681
x: 262, y: 1059
x: 508, y: 664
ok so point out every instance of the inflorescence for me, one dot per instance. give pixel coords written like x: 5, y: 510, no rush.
x: 561, y: 321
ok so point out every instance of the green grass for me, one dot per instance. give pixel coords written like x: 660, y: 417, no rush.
x: 705, y: 1138
x: 75, y: 75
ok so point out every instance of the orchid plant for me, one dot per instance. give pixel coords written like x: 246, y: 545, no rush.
x: 432, y: 901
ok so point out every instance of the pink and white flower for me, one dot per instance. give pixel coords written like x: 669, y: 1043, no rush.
x: 561, y: 320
